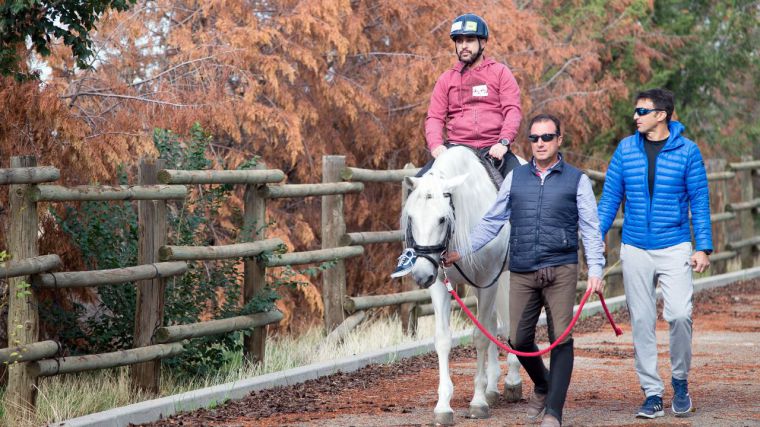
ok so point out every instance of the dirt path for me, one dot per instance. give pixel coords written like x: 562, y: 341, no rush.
x: 724, y: 381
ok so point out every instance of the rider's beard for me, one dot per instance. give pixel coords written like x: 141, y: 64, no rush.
x: 473, y: 57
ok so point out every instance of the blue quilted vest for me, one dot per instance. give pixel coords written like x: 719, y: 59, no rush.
x: 544, y: 218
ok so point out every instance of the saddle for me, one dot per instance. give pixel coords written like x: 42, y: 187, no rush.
x: 497, y: 169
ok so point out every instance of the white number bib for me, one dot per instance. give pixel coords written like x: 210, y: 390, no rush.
x: 481, y: 90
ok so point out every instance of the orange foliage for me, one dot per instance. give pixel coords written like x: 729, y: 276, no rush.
x: 294, y: 80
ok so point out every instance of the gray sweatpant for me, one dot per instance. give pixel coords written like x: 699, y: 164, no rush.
x: 642, y: 270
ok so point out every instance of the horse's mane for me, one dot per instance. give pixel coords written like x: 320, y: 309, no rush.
x: 471, y: 199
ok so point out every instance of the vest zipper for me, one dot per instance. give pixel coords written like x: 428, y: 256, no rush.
x: 538, y: 224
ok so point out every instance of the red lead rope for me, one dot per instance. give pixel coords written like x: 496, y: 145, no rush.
x: 556, y: 342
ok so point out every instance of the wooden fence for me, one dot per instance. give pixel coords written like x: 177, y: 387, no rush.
x: 737, y: 241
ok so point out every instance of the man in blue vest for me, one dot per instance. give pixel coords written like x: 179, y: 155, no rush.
x: 546, y: 201
x: 661, y: 176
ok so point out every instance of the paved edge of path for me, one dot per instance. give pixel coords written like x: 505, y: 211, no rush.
x: 153, y: 410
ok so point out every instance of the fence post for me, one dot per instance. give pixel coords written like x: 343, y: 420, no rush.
x: 756, y: 193
x: 254, y: 228
x: 746, y: 217
x: 718, y: 200
x: 333, y: 228
x: 149, y: 307
x: 23, y: 317
x: 409, y: 317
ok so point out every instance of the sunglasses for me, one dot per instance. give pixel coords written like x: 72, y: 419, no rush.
x: 545, y: 137
x: 644, y: 111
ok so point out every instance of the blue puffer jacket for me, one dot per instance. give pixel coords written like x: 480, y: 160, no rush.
x: 680, y: 181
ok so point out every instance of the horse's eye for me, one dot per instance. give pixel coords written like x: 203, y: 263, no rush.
x: 441, y: 220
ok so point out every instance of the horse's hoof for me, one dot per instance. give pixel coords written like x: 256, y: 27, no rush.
x: 513, y: 393
x: 479, y: 412
x: 444, y: 418
x: 492, y: 397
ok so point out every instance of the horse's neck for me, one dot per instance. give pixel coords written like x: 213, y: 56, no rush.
x: 472, y: 199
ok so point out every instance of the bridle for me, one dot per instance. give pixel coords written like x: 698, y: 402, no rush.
x: 434, y: 253
x: 429, y: 252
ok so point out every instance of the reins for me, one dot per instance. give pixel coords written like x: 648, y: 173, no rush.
x: 556, y: 342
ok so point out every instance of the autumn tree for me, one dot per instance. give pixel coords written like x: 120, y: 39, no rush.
x: 293, y: 80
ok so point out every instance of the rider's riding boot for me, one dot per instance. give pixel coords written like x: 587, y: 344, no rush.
x: 559, y: 378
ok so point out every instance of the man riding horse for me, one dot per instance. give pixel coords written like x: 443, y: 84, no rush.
x: 477, y: 101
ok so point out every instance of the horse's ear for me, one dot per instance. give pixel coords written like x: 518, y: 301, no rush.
x: 455, y: 182
x: 411, y: 181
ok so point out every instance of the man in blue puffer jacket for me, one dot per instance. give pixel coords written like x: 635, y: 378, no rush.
x: 661, y: 176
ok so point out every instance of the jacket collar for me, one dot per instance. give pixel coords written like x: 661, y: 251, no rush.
x: 674, y: 140
x: 556, y: 167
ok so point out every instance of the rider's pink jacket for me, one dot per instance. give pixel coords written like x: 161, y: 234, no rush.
x: 478, y: 107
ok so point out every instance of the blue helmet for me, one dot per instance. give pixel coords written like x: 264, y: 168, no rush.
x: 469, y: 24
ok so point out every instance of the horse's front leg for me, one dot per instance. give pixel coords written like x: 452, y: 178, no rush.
x: 442, y: 308
x: 487, y: 372
x: 512, y: 382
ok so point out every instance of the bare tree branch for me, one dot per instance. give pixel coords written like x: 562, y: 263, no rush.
x: 170, y: 69
x: 561, y: 70
x: 134, y: 98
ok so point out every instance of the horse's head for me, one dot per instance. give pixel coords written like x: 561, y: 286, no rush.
x: 428, y: 220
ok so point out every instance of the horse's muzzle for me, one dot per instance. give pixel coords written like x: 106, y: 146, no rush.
x: 428, y: 282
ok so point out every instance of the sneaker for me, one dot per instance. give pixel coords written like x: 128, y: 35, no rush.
x: 652, y: 408
x: 405, y: 263
x: 536, y: 406
x: 681, y: 398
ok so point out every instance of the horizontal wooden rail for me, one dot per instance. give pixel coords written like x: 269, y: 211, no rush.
x: 29, y: 352
x: 237, y: 250
x: 754, y: 240
x: 712, y: 176
x: 722, y: 256
x: 595, y: 175
x: 743, y: 206
x: 259, y: 176
x: 320, y: 255
x: 28, y: 266
x: 215, y: 327
x: 716, y: 217
x: 722, y: 175
x: 303, y: 190
x: 371, y: 175
x: 65, y: 365
x: 427, y: 309
x: 743, y: 166
x: 369, y: 237
x: 33, y: 175
x: 58, y: 193
x: 721, y: 216
x: 79, y: 279
x: 353, y: 304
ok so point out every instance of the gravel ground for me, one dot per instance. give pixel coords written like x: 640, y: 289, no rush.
x: 724, y: 382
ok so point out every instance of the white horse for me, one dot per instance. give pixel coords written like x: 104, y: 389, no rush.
x: 444, y: 206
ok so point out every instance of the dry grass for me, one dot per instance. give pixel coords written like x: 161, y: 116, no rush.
x: 68, y: 396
